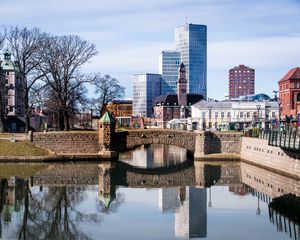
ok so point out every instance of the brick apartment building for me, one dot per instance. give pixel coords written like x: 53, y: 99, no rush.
x: 241, y: 81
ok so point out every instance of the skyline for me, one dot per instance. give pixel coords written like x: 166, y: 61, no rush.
x: 130, y: 35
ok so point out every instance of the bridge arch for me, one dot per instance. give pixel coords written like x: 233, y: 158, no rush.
x: 132, y: 139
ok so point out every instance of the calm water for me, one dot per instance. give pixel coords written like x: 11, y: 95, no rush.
x: 154, y: 192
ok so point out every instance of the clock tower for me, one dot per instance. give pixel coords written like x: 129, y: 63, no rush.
x: 182, y: 86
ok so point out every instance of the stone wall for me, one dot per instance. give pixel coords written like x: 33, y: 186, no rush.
x: 218, y: 142
x: 258, y: 151
x: 68, y: 142
x: 134, y: 138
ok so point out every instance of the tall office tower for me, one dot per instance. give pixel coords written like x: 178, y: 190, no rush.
x: 168, y: 67
x: 146, y: 87
x: 191, y: 42
x: 241, y: 81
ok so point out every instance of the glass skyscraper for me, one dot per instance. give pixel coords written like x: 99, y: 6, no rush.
x: 146, y: 87
x: 191, y: 42
x: 168, y: 67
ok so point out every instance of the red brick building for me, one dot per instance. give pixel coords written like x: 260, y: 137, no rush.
x: 289, y: 93
x: 170, y: 106
x: 241, y: 81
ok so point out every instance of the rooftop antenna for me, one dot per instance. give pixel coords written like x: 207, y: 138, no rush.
x: 186, y: 21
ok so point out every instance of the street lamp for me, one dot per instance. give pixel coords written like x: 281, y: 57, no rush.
x: 209, y: 115
x: 279, y: 101
x: 267, y: 115
x: 258, y: 118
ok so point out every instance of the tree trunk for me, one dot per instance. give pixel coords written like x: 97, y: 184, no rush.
x: 66, y: 120
x: 27, y: 112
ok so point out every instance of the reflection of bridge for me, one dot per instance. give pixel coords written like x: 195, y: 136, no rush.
x: 122, y: 174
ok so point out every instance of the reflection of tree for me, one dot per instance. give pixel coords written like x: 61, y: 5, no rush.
x: 53, y: 216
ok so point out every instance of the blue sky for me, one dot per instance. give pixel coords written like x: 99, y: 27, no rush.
x: 130, y: 34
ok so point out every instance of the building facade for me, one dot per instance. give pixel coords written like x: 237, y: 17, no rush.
x: 175, y: 106
x: 146, y: 87
x: 289, y: 93
x: 122, y: 110
x: 168, y: 68
x: 191, y: 42
x: 12, y: 91
x: 241, y: 81
x: 235, y: 114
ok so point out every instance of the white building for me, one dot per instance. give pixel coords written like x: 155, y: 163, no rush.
x: 234, y: 114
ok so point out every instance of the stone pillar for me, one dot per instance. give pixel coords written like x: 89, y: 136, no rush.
x: 107, y: 130
x: 199, y: 145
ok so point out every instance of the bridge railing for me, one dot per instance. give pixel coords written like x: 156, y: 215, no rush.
x: 285, y: 139
x: 257, y: 133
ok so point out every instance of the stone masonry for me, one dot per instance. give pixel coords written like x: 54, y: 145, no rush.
x: 198, y: 143
x: 65, y: 142
x: 257, y: 151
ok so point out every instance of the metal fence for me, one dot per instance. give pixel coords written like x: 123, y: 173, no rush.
x: 285, y: 139
x: 288, y: 139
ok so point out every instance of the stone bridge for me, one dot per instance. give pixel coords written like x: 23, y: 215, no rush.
x: 197, y: 143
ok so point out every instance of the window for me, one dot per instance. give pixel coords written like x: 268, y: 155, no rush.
x: 298, y: 97
x: 216, y: 114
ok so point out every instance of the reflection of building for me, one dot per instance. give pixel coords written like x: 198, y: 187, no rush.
x: 145, y: 88
x: 168, y: 200
x: 241, y: 81
x: 158, y: 155
x: 289, y: 93
x: 191, y: 216
x: 191, y: 42
x: 168, y: 68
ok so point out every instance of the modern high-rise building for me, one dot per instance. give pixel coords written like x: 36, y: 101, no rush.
x: 146, y: 87
x: 168, y: 67
x: 191, y: 42
x: 241, y: 81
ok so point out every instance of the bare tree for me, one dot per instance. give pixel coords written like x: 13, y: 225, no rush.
x: 107, y: 89
x: 61, y: 61
x: 25, y: 46
x: 2, y: 86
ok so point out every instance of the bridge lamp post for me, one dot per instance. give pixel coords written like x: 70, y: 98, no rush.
x: 279, y: 101
x: 258, y: 118
x: 210, y: 202
x: 209, y: 115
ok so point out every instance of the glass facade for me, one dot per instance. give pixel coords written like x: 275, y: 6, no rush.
x: 168, y: 67
x: 191, y: 42
x: 146, y: 87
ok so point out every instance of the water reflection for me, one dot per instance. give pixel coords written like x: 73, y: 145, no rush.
x: 155, y: 155
x: 88, y: 200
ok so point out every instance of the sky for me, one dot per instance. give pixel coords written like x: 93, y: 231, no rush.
x: 130, y: 34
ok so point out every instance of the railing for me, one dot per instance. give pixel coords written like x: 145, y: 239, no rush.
x: 257, y: 133
x: 288, y: 139
x: 285, y: 139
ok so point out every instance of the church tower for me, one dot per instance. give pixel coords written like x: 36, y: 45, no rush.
x: 182, y: 86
